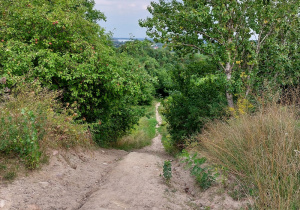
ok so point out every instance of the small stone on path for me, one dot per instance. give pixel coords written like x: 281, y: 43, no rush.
x: 2, y: 203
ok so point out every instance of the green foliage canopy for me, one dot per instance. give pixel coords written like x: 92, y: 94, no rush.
x: 223, y: 30
x: 159, y: 63
x: 59, y: 43
x: 198, y: 98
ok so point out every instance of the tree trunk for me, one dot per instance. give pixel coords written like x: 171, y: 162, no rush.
x: 229, y: 95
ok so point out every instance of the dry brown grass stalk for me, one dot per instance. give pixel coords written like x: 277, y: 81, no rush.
x: 262, y: 150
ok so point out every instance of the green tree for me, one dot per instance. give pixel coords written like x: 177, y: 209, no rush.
x: 232, y: 32
x: 159, y: 63
x: 198, y: 98
x: 279, y: 61
x: 59, y: 43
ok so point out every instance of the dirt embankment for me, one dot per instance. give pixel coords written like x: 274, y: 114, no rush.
x: 111, y: 179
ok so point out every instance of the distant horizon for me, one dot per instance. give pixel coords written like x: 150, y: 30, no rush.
x: 131, y: 38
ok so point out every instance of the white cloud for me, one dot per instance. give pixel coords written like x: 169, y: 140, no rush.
x: 122, y: 16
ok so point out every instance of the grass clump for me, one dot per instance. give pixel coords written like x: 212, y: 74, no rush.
x: 32, y: 121
x: 142, y: 134
x: 263, y: 151
x: 166, y: 138
x: 10, y: 175
x: 167, y: 171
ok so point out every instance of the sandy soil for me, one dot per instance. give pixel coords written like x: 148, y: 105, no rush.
x: 111, y: 179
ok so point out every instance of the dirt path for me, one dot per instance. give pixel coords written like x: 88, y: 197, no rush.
x: 110, y: 179
x: 136, y: 183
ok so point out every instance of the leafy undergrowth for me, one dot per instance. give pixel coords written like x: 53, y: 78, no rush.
x: 262, y: 151
x: 167, y: 171
x: 142, y: 134
x: 31, y: 122
x: 205, y: 176
x: 165, y: 136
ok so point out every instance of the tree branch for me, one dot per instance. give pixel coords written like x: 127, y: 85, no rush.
x: 205, y: 34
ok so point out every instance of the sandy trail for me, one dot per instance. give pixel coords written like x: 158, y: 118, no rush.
x: 111, y: 179
x: 136, y: 183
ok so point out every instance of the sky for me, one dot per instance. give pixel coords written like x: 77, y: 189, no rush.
x: 123, y: 16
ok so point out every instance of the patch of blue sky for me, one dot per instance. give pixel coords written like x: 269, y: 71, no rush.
x: 123, y: 16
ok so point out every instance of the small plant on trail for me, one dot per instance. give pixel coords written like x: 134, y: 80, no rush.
x: 11, y: 175
x: 203, y: 175
x: 167, y: 170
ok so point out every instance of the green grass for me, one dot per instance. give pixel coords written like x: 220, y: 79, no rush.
x: 142, y: 134
x: 9, y: 166
x: 166, y: 138
x: 11, y: 175
x: 167, y: 170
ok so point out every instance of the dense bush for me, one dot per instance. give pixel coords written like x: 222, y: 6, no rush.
x: 60, y: 43
x: 197, y: 99
x: 120, y: 121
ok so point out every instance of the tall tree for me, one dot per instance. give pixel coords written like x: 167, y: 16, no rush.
x: 232, y: 32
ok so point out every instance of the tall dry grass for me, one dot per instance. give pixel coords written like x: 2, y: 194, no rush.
x: 263, y: 151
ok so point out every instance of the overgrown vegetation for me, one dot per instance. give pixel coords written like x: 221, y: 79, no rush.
x: 243, y: 45
x: 166, y: 138
x: 32, y: 120
x: 224, y: 31
x: 262, y: 151
x: 60, y: 43
x: 257, y: 142
x: 159, y: 64
x: 142, y: 134
x: 62, y: 85
x: 197, y: 98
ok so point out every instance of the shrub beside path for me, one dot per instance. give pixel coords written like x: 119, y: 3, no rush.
x: 110, y: 179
